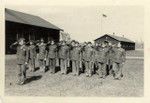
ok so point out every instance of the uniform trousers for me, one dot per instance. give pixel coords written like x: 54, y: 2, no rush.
x: 21, y: 73
x: 52, y: 65
x: 117, y: 70
x: 42, y: 65
x: 102, y: 69
x: 63, y: 66
x: 89, y: 67
x: 75, y: 67
x: 32, y: 64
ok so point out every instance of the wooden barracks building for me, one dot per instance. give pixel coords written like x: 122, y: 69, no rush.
x: 125, y: 43
x: 18, y: 24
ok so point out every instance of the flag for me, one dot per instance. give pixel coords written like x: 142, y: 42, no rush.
x: 104, y: 15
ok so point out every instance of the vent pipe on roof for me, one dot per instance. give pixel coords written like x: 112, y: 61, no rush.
x: 113, y: 33
x: 122, y: 35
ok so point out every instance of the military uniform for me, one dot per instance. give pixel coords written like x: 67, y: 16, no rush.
x: 101, y: 59
x: 109, y: 57
x: 42, y: 56
x: 76, y: 59
x: 63, y: 55
x: 89, y: 60
x: 32, y: 57
x: 22, y: 59
x: 83, y: 55
x: 52, y: 55
x: 118, y: 60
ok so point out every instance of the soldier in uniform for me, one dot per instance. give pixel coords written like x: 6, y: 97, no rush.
x: 63, y: 55
x: 32, y: 56
x: 83, y: 56
x: 22, y: 60
x: 52, y: 55
x: 76, y: 58
x: 89, y: 59
x: 101, y: 60
x: 109, y: 56
x: 118, y: 61
x: 42, y: 55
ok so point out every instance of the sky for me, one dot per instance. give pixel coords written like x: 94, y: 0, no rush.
x: 86, y: 23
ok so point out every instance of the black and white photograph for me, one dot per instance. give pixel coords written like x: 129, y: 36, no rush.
x: 74, y: 51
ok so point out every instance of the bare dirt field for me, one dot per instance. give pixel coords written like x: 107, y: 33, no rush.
x: 46, y: 84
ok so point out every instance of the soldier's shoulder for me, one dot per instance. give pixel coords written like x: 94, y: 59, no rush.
x: 121, y: 49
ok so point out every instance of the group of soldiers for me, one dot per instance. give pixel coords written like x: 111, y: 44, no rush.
x: 102, y: 58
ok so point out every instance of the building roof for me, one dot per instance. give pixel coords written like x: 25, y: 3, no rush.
x: 19, y: 17
x: 118, y: 38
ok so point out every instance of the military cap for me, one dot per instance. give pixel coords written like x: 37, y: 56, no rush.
x: 20, y: 39
x: 89, y: 43
x: 73, y: 41
x: 77, y: 42
x: 42, y: 40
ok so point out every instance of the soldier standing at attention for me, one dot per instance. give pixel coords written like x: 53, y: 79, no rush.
x: 72, y: 46
x: 83, y: 56
x: 32, y: 56
x: 42, y: 55
x: 101, y: 60
x: 22, y: 60
x: 109, y: 57
x: 89, y: 57
x: 118, y: 61
x: 63, y: 55
x: 52, y: 55
x: 76, y: 58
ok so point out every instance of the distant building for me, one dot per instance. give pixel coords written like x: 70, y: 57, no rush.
x: 125, y: 43
x: 18, y: 24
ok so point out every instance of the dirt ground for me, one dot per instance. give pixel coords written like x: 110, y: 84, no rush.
x: 46, y: 84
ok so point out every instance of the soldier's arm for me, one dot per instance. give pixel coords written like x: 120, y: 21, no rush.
x: 46, y: 52
x: 27, y: 54
x: 124, y: 55
x: 68, y: 53
x: 14, y: 45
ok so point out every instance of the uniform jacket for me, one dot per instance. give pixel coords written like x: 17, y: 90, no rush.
x: 22, y: 54
x: 101, y: 54
x: 32, y: 51
x: 42, y: 51
x: 119, y: 55
x: 89, y: 54
x: 52, y: 51
x: 110, y: 54
x: 64, y: 52
x: 76, y: 53
x: 83, y: 53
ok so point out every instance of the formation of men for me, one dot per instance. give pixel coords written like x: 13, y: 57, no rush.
x: 102, y: 59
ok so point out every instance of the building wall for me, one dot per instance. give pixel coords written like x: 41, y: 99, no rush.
x: 128, y: 46
x: 106, y: 38
x: 125, y: 45
x: 14, y: 31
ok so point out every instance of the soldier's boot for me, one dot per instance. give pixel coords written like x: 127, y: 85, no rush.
x: 118, y: 76
x: 42, y: 69
x: 18, y: 79
x: 30, y: 69
x: 100, y: 74
x: 90, y: 73
x: 77, y: 72
x: 53, y: 70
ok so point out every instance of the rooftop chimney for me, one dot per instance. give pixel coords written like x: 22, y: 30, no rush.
x: 113, y: 33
